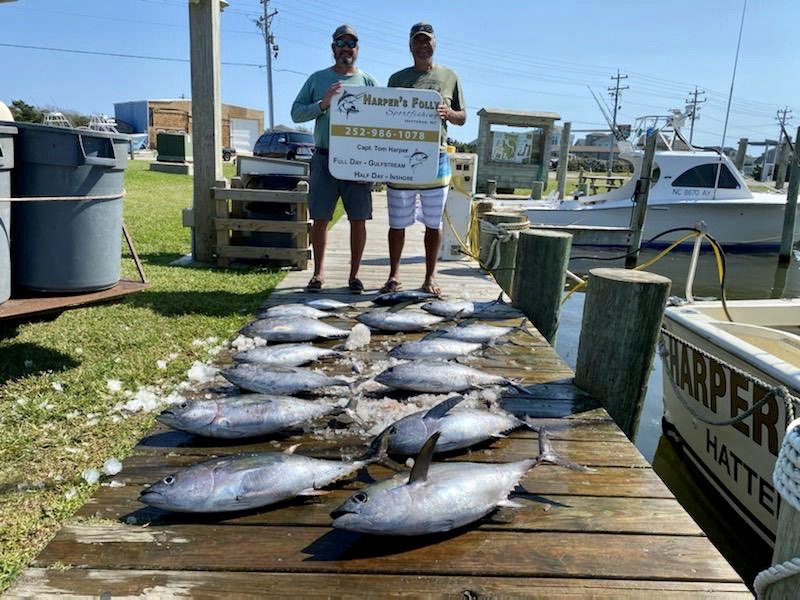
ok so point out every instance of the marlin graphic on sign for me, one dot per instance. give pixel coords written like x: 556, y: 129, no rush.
x: 417, y: 159
x: 347, y: 103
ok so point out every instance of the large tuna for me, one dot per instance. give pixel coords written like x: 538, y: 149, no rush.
x: 278, y: 380
x: 437, y: 349
x: 293, y: 329
x: 437, y: 497
x: 248, y: 481
x: 247, y: 415
x: 284, y: 355
x: 398, y: 321
x: 439, y: 377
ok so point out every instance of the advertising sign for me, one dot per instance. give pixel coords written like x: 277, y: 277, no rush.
x: 384, y: 134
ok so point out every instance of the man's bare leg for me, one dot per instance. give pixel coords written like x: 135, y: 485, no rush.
x: 319, y: 239
x: 358, y: 240
x: 433, y: 241
x: 397, y: 239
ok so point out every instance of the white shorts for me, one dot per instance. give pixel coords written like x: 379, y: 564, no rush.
x: 403, y: 207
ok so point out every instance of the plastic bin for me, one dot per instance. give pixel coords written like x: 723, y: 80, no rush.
x: 67, y: 246
x: 6, y: 164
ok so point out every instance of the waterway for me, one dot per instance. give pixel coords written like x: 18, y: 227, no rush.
x: 748, y: 276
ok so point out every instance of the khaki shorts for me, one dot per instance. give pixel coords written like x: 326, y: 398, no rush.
x: 324, y: 190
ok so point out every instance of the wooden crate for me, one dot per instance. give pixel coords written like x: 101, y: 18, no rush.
x: 230, y: 218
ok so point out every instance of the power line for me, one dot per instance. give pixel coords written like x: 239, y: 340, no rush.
x: 263, y: 23
x: 120, y: 55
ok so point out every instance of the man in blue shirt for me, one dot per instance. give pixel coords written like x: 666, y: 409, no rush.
x: 313, y: 102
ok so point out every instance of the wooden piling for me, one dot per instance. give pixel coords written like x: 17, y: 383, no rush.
x: 621, y: 321
x: 497, y: 255
x: 789, y: 213
x: 780, y: 167
x: 787, y: 539
x: 741, y: 153
x: 539, y: 274
x: 537, y: 187
x: 563, y: 161
x: 640, y: 200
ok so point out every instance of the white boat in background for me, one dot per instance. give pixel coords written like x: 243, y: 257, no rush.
x: 686, y: 190
x: 715, y: 370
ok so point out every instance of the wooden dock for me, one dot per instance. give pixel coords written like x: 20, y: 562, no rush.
x: 614, y: 532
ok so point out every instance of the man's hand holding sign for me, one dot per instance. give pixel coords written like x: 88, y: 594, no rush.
x: 385, y: 134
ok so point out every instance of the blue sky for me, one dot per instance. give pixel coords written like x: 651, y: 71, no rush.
x: 527, y: 55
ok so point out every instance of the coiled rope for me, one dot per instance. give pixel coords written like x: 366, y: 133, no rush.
x: 499, y: 235
x: 786, y: 478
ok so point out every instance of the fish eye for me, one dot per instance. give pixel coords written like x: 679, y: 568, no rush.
x: 360, y: 497
x: 183, y: 405
x: 169, y: 480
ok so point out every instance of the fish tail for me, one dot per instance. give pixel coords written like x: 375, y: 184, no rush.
x: 548, y: 455
x: 520, y: 388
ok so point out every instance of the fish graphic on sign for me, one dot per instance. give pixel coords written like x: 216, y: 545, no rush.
x: 347, y: 103
x: 417, y: 159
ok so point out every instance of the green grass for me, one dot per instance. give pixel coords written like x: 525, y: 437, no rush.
x: 57, y: 414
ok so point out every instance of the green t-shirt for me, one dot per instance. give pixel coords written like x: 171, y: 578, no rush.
x: 441, y: 79
x: 306, y: 105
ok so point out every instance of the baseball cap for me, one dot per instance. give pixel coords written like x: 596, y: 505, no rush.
x: 344, y: 30
x: 423, y: 28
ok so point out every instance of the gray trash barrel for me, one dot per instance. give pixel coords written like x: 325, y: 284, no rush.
x: 6, y: 164
x: 74, y: 245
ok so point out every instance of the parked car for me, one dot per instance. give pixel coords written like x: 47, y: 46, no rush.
x: 285, y: 144
x: 228, y: 153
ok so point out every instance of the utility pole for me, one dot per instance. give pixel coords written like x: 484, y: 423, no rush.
x: 693, y: 105
x: 783, y: 117
x: 615, y: 92
x: 263, y: 24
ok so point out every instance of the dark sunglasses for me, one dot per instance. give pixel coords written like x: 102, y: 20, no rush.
x: 349, y: 43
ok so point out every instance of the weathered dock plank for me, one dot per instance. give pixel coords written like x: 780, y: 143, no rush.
x: 210, y: 585
x: 613, y: 532
x: 216, y: 547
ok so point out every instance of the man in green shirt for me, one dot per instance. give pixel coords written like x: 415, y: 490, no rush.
x: 402, y: 199
x: 313, y: 102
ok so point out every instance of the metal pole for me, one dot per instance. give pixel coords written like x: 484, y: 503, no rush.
x: 789, y: 214
x: 563, y: 160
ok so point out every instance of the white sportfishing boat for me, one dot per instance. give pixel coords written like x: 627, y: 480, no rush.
x: 735, y: 373
x: 690, y: 185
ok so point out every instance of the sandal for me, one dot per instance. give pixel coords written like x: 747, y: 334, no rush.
x: 314, y: 284
x: 391, y: 286
x: 355, y: 285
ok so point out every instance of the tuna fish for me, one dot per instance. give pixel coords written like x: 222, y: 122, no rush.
x: 437, y: 349
x: 293, y: 329
x: 327, y: 304
x: 250, y: 481
x: 458, y: 427
x: 437, y: 497
x: 474, y: 332
x: 278, y: 380
x: 439, y: 377
x: 248, y: 415
x: 291, y: 310
x: 450, y: 309
x: 284, y: 355
x: 398, y: 321
x: 411, y: 296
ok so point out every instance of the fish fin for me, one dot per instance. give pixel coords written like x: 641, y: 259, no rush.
x: 531, y: 424
x: 520, y: 388
x: 509, y: 504
x: 547, y: 454
x: 378, y: 448
x: 419, y: 471
x: 313, y: 492
x: 291, y: 449
x: 441, y: 409
x: 521, y: 327
x: 400, y: 306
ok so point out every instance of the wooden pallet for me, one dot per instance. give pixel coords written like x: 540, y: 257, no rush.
x: 228, y: 220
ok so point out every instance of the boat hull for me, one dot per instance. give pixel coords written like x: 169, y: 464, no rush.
x: 718, y: 370
x: 750, y: 226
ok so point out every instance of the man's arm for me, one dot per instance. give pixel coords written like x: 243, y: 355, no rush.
x: 305, y: 108
x: 457, y: 114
